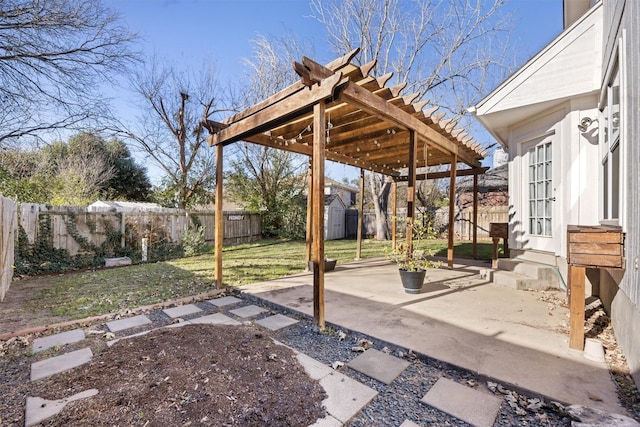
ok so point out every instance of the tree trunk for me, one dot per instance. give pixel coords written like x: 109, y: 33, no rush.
x: 380, y: 187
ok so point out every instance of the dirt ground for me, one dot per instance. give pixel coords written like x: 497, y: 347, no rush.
x: 20, y: 311
x: 193, y: 375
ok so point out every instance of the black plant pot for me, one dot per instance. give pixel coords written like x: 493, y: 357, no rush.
x: 329, y: 265
x: 412, y: 281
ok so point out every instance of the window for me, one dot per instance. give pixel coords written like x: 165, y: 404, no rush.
x: 540, y: 190
x: 610, y: 148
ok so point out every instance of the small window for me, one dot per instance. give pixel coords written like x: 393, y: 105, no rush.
x: 610, y: 148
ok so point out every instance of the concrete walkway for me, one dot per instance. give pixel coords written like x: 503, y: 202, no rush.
x: 508, y: 335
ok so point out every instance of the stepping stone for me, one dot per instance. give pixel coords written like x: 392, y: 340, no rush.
x: 585, y: 416
x: 472, y: 406
x: 139, y: 334
x: 347, y: 396
x: 327, y: 421
x: 53, y: 365
x: 39, y: 409
x: 221, y: 302
x: 117, y: 262
x: 409, y: 423
x: 68, y: 337
x: 276, y: 322
x: 215, y: 319
x: 128, y: 323
x: 248, y: 311
x: 312, y: 367
x: 182, y: 310
x: 378, y: 365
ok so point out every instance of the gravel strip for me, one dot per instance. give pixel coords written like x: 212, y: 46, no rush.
x: 400, y: 400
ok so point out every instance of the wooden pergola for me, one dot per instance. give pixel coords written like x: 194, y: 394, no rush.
x: 340, y: 112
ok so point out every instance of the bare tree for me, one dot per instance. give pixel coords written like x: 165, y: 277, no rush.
x: 54, y: 55
x: 446, y: 50
x: 171, y: 130
x: 79, y: 179
x: 266, y: 178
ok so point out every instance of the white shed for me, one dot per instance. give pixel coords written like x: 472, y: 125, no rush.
x: 118, y: 206
x: 334, y: 217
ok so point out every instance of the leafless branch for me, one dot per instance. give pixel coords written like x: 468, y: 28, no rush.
x: 54, y: 56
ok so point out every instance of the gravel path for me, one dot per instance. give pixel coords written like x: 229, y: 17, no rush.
x: 400, y: 400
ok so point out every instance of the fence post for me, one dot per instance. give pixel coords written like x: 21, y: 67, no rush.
x: 123, y: 229
x: 145, y: 249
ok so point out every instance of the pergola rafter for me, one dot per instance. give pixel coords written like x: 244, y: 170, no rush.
x: 342, y: 113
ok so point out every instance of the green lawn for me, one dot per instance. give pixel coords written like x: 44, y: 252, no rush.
x: 110, y: 290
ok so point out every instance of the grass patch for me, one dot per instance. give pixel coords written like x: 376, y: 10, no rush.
x: 98, y: 292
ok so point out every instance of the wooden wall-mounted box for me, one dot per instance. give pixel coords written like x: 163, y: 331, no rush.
x: 599, y: 246
x: 499, y: 229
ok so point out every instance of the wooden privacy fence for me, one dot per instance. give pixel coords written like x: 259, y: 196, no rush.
x: 486, y: 215
x: 75, y: 228
x: 463, y: 221
x: 8, y: 229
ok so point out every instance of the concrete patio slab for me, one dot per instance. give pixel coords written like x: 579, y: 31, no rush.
x: 248, y: 311
x: 509, y: 335
x: 277, y: 321
x: 214, y: 319
x: 68, y: 337
x: 181, y: 310
x: 378, y: 365
x: 472, y: 406
x: 53, y: 365
x: 409, y: 423
x: 38, y: 409
x: 224, y: 301
x: 128, y: 323
x: 346, y: 396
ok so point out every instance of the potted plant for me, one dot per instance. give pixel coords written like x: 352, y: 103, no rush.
x: 413, y: 264
x: 329, y: 264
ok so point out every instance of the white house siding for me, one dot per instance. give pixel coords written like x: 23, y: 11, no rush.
x: 547, y: 98
x: 544, y: 101
x: 620, y: 290
x: 558, y: 66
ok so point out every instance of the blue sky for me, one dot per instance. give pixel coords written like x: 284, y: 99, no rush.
x: 189, y: 31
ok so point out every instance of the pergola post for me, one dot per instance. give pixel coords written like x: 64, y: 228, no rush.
x: 411, y: 190
x: 309, y: 248
x: 475, y: 217
x: 219, y: 217
x: 360, y: 218
x: 394, y: 213
x: 452, y: 205
x: 319, y: 136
